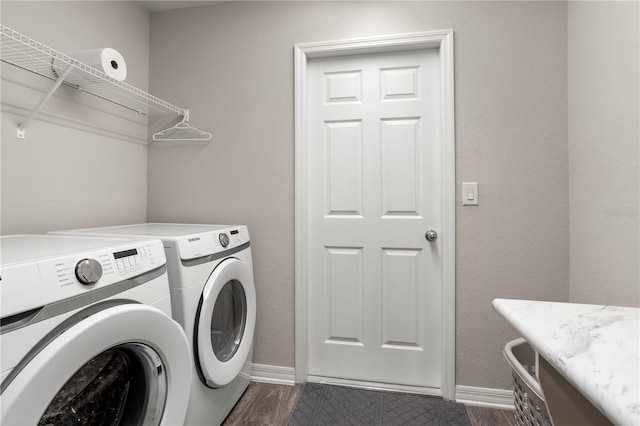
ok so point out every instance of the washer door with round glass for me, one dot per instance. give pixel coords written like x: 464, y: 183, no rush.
x: 225, y: 323
x: 126, y: 364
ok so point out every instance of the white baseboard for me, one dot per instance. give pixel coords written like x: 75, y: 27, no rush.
x: 469, y: 395
x: 390, y: 387
x: 485, y: 397
x: 273, y: 374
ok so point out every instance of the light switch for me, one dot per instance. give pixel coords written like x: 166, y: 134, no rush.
x: 469, y: 193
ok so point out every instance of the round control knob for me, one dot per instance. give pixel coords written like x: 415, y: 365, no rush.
x: 88, y: 271
x: 224, y: 239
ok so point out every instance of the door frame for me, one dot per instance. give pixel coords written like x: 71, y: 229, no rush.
x: 443, y: 41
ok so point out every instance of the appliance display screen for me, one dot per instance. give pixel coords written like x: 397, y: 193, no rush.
x: 125, y: 253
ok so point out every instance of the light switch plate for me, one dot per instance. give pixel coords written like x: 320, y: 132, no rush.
x: 469, y: 193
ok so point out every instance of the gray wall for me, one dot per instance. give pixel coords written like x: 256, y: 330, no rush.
x: 82, y: 162
x: 232, y: 64
x: 604, y: 189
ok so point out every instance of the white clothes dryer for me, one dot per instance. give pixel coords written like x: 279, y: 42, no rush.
x: 213, y: 297
x: 86, y: 335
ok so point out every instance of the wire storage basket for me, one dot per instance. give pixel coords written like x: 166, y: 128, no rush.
x: 531, y: 408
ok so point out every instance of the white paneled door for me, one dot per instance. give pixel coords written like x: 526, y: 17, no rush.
x: 374, y: 188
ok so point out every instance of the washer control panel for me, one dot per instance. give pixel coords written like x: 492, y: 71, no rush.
x: 104, y: 267
x: 133, y: 260
x: 217, y: 241
x: 63, y: 267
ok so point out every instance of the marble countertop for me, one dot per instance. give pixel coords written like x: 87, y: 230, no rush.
x: 595, y: 347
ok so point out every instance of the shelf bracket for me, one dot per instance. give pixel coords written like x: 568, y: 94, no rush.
x: 59, y: 81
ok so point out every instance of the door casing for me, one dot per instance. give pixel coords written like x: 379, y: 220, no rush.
x: 443, y: 42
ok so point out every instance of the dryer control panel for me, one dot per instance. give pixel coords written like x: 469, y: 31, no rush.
x: 213, y: 242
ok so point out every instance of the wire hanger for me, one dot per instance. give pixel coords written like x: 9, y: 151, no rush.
x: 182, y: 131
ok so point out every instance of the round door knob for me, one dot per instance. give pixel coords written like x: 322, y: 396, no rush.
x: 431, y: 235
x: 224, y: 239
x: 88, y: 271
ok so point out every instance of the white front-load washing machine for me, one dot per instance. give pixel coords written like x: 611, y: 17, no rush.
x: 213, y: 297
x: 86, y: 335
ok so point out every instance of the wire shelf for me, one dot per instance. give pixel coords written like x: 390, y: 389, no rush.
x: 28, y: 54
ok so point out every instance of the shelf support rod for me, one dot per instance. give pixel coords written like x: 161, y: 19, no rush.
x: 59, y: 81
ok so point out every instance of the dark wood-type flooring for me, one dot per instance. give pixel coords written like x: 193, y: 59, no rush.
x: 270, y: 405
